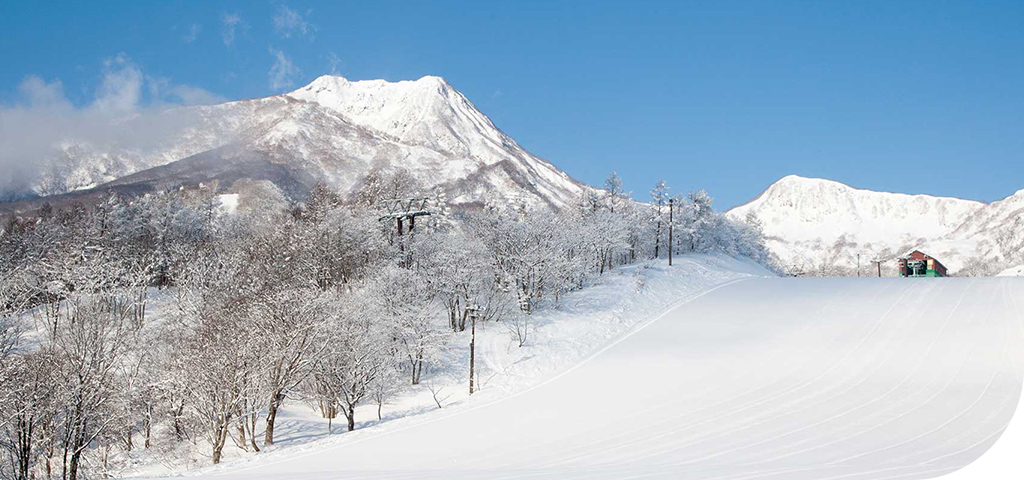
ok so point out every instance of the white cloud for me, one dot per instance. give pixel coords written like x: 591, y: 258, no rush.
x: 45, y: 96
x: 163, y: 91
x: 189, y: 95
x: 288, y: 22
x: 230, y: 22
x: 41, y: 118
x: 121, y: 88
x: 193, y: 33
x: 283, y: 71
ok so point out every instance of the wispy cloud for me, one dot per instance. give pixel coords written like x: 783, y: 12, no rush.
x: 193, y: 33
x: 162, y: 90
x: 40, y: 121
x: 38, y: 94
x: 288, y: 22
x: 283, y: 71
x: 121, y: 88
x: 230, y: 24
x: 334, y: 64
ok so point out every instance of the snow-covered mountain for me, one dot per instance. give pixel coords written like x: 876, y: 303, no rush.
x: 332, y: 129
x: 820, y: 226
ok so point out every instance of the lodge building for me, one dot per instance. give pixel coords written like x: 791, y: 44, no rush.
x: 919, y: 264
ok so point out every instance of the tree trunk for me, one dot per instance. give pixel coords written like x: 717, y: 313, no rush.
x: 241, y: 429
x: 220, y: 437
x: 417, y: 368
x: 24, y: 448
x: 73, y: 466
x: 657, y: 239
x: 351, y: 417
x: 252, y: 432
x: 275, y: 403
x: 49, y: 460
x: 149, y: 422
x: 179, y: 428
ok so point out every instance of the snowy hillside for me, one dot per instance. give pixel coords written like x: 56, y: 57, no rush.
x: 715, y: 389
x: 1017, y: 271
x: 820, y: 226
x: 561, y: 336
x: 336, y: 130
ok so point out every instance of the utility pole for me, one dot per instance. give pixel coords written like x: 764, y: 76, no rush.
x: 671, y: 224
x: 473, y: 310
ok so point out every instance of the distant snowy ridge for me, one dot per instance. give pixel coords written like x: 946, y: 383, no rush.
x: 821, y: 226
x: 332, y: 129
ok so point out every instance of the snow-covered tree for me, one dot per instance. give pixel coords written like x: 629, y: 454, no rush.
x: 359, y: 355
x: 659, y: 200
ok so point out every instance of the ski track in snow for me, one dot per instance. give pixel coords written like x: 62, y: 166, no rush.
x: 756, y: 378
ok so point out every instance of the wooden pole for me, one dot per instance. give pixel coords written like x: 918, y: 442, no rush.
x: 671, y: 224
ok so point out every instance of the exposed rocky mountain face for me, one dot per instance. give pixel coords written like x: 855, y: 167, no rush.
x: 818, y: 226
x: 333, y: 130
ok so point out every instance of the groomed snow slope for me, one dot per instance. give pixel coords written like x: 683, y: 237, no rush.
x: 761, y: 378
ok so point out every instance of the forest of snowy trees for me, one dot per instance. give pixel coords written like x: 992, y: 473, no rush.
x: 321, y: 302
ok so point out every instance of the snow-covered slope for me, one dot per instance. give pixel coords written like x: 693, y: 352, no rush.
x: 918, y: 380
x: 1017, y: 271
x: 820, y: 226
x: 559, y: 337
x: 430, y: 113
x: 336, y: 130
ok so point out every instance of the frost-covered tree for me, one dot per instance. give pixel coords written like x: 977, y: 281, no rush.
x: 358, y: 356
x: 659, y: 200
x: 289, y: 336
x: 404, y: 300
x: 272, y: 301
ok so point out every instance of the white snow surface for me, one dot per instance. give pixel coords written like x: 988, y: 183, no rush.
x: 560, y: 337
x: 1017, y: 271
x: 804, y: 378
x: 227, y: 203
x: 808, y: 221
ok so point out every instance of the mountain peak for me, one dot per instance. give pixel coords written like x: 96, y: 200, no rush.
x: 809, y: 182
x: 793, y: 178
x: 433, y: 79
x: 338, y: 83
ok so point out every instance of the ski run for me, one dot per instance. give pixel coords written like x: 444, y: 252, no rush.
x: 743, y: 376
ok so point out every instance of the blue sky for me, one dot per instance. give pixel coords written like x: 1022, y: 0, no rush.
x: 919, y: 97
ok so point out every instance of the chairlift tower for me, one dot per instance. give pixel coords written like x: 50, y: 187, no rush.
x: 402, y: 209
